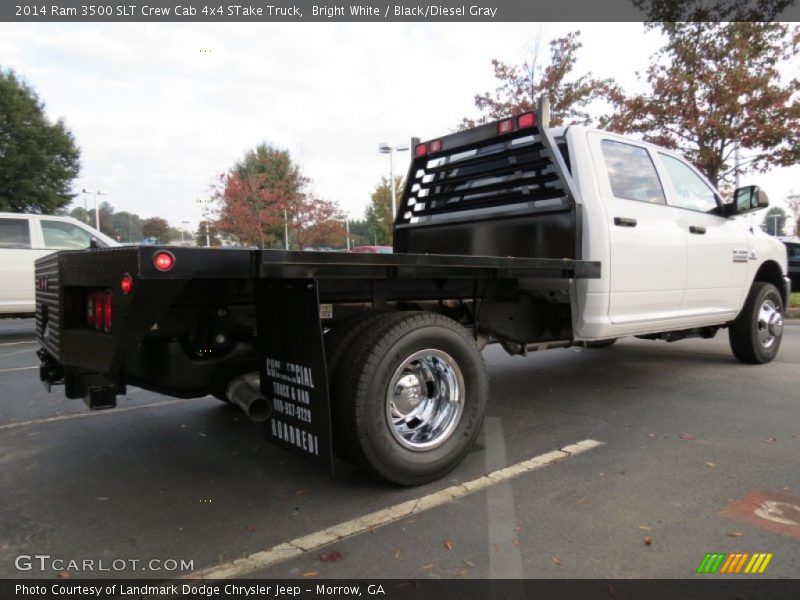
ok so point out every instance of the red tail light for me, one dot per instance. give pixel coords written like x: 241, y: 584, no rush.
x: 505, y: 126
x: 420, y: 150
x: 98, y: 304
x: 526, y: 120
x: 436, y: 146
x: 107, y: 311
x: 163, y: 260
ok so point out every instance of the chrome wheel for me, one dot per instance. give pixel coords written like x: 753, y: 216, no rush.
x: 769, y: 326
x: 425, y: 400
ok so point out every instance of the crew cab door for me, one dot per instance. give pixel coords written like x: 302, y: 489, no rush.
x: 717, y: 247
x: 647, y: 262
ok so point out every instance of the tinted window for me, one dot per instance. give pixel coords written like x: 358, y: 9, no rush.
x: 793, y: 251
x: 14, y: 233
x: 59, y: 235
x: 690, y: 190
x: 632, y: 173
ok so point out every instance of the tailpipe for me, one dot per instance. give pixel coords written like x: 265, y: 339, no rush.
x: 245, y: 392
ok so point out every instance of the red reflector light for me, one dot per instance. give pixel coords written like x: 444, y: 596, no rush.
x: 421, y: 150
x: 107, y: 311
x: 436, y: 146
x: 98, y: 303
x: 526, y: 120
x: 126, y: 284
x: 163, y: 261
x: 505, y: 126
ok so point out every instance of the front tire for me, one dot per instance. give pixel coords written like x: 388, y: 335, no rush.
x: 414, y: 399
x: 756, y: 334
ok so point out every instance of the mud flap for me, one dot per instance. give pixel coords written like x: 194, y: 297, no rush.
x: 293, y: 371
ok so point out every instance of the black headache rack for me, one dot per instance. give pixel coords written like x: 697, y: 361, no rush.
x: 499, y: 189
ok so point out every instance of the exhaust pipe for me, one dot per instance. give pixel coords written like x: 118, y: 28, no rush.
x: 245, y: 392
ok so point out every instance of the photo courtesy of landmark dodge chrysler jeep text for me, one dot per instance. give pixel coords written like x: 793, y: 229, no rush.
x: 512, y: 233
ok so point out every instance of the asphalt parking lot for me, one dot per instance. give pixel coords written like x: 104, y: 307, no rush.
x: 700, y: 455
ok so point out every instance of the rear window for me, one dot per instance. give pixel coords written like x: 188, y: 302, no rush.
x: 632, y: 173
x: 15, y: 233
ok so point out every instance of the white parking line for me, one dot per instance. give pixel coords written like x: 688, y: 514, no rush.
x: 314, y: 541
x: 18, y: 352
x: 501, y: 517
x: 95, y: 413
x: 19, y: 369
x: 17, y: 343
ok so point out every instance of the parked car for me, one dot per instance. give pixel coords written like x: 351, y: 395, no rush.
x: 23, y: 239
x: 373, y: 249
x: 793, y: 256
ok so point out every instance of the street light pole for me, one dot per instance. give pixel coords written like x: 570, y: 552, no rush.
x: 205, y: 204
x: 286, y: 229
x: 185, y: 225
x: 347, y: 228
x: 96, y: 209
x: 385, y: 148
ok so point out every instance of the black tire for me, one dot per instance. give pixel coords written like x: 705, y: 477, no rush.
x: 747, y: 333
x: 600, y: 343
x: 377, y: 355
x: 338, y: 347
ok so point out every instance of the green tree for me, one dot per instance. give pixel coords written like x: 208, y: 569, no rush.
x: 360, y: 233
x: 127, y: 227
x: 213, y: 238
x: 259, y: 194
x: 774, y: 221
x: 715, y: 88
x: 81, y: 214
x: 520, y: 86
x: 378, y: 215
x: 156, y: 228
x: 38, y: 159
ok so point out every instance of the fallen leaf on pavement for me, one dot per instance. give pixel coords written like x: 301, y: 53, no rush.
x: 448, y: 544
x: 64, y: 574
x: 427, y: 567
x: 461, y: 573
x: 331, y: 557
x: 310, y: 573
x: 469, y: 563
x: 648, y: 540
x: 556, y: 560
x: 687, y: 436
x: 645, y: 527
x: 398, y: 553
x: 203, y: 434
x: 516, y: 542
x: 770, y: 440
x: 735, y: 534
x: 711, y: 464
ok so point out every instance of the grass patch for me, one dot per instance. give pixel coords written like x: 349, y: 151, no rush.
x: 794, y: 300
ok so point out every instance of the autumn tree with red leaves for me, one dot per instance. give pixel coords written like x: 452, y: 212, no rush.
x: 715, y: 87
x: 522, y: 85
x: 264, y: 194
x: 319, y: 224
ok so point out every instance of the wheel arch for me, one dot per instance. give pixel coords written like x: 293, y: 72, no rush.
x: 770, y: 272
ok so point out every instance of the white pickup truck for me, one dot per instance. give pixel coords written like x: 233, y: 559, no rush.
x: 23, y: 239
x: 511, y: 233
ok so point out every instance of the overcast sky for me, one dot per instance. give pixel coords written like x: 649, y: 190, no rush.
x: 159, y: 110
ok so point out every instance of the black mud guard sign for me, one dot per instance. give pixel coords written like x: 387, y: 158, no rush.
x: 293, y: 372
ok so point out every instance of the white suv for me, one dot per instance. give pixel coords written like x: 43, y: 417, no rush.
x: 23, y: 239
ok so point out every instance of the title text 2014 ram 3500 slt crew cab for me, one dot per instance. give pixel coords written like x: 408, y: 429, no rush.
x: 511, y: 233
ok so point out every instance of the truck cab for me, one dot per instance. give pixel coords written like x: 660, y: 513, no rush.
x: 677, y: 256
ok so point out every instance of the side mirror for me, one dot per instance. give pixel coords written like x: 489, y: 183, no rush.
x: 748, y: 198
